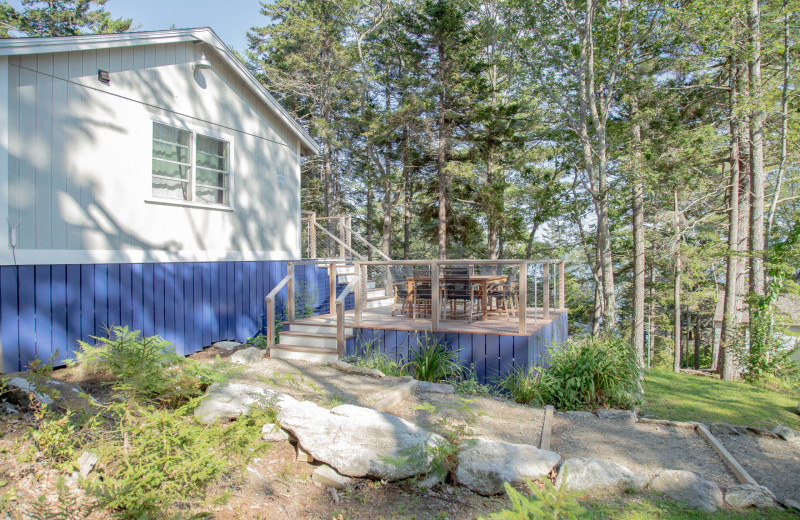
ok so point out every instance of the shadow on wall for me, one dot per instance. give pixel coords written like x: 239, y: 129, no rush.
x: 59, y: 207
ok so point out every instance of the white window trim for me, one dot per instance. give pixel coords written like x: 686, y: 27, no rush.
x: 195, y: 129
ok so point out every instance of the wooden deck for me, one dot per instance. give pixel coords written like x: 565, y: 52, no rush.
x: 381, y: 318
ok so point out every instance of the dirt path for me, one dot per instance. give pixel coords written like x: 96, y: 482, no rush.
x: 774, y: 463
x: 643, y: 448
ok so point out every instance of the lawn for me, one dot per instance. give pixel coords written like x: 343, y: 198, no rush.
x: 687, y: 397
x: 647, y: 506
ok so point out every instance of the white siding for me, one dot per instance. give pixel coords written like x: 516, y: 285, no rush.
x: 79, y: 165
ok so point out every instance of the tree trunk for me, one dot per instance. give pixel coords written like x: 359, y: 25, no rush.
x: 756, y: 155
x: 407, y: 201
x: 637, y: 332
x: 730, y: 318
x: 697, y: 331
x: 441, y: 156
x: 784, y: 126
x: 676, y: 365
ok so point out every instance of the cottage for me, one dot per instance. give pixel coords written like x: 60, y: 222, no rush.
x: 147, y: 179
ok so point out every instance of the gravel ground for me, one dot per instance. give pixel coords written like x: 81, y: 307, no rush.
x: 774, y: 463
x: 643, y: 448
x: 494, y: 419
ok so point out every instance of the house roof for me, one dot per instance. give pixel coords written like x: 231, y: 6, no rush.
x: 786, y: 304
x: 22, y: 46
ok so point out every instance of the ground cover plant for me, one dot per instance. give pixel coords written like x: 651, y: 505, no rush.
x: 687, y: 397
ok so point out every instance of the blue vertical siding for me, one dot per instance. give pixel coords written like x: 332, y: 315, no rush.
x: 48, y: 308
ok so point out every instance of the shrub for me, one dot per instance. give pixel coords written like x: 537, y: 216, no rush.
x: 549, y: 503
x: 468, y: 384
x: 433, y: 361
x: 522, y: 384
x: 369, y: 357
x: 591, y: 373
x: 146, y: 367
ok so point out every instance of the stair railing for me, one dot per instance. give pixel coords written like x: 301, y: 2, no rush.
x: 353, y: 287
x: 288, y: 279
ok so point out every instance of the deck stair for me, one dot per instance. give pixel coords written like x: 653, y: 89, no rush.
x: 316, y: 341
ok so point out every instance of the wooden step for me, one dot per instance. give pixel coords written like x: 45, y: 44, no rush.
x: 314, y: 355
x: 376, y: 293
x: 310, y: 339
x: 382, y: 301
x: 325, y: 328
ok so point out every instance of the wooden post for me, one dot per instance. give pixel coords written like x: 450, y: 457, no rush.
x: 434, y: 296
x: 364, y: 283
x: 332, y: 286
x: 561, y: 297
x: 312, y: 236
x: 270, y: 323
x: 290, y: 308
x: 357, y: 308
x: 340, y: 328
x: 349, y: 227
x: 523, y: 298
x: 546, y: 289
x: 343, y: 238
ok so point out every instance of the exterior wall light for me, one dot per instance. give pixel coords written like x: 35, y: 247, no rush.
x: 202, y: 63
x: 103, y: 77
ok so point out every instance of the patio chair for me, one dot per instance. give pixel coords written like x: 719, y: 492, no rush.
x: 422, y: 291
x: 401, y: 293
x: 506, y: 294
x: 459, y: 287
x: 492, y: 269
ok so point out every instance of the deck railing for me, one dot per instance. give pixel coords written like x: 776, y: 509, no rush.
x: 546, y: 275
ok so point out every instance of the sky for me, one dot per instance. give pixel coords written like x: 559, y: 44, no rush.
x: 230, y: 19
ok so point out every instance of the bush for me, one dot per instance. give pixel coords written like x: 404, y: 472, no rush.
x: 433, y: 361
x: 585, y: 373
x: 370, y: 358
x: 591, y: 373
x: 549, y: 503
x: 146, y: 367
x: 522, y: 384
x: 468, y: 384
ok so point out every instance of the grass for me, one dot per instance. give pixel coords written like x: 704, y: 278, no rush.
x: 687, y: 397
x: 651, y: 506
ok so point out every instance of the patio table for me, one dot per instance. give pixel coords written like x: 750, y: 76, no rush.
x: 483, y: 281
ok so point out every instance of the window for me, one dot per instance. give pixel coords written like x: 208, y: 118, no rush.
x: 189, y: 166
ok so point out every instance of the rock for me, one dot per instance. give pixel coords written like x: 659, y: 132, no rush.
x: 28, y: 389
x: 229, y: 401
x: 484, y: 465
x: 52, y: 392
x: 793, y: 504
x: 227, y: 345
x: 721, y: 428
x: 690, y: 488
x: 435, y: 388
x: 761, y: 432
x: 357, y: 441
x: 784, y: 432
x: 86, y: 463
x: 581, y: 414
x: 347, y: 368
x: 247, y: 356
x: 598, y: 478
x: 303, y: 455
x: 741, y: 496
x: 616, y: 415
x: 328, y: 476
x: 271, y: 432
x: 429, y: 481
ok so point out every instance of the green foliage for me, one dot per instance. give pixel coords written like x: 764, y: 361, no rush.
x: 768, y: 354
x: 585, y: 373
x: 67, y: 507
x: 549, y: 503
x: 434, y: 361
x: 146, y: 367
x: 468, y: 384
x: 56, y: 437
x: 369, y: 356
x: 67, y: 18
x: 523, y: 384
x: 159, y: 459
x: 260, y: 339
